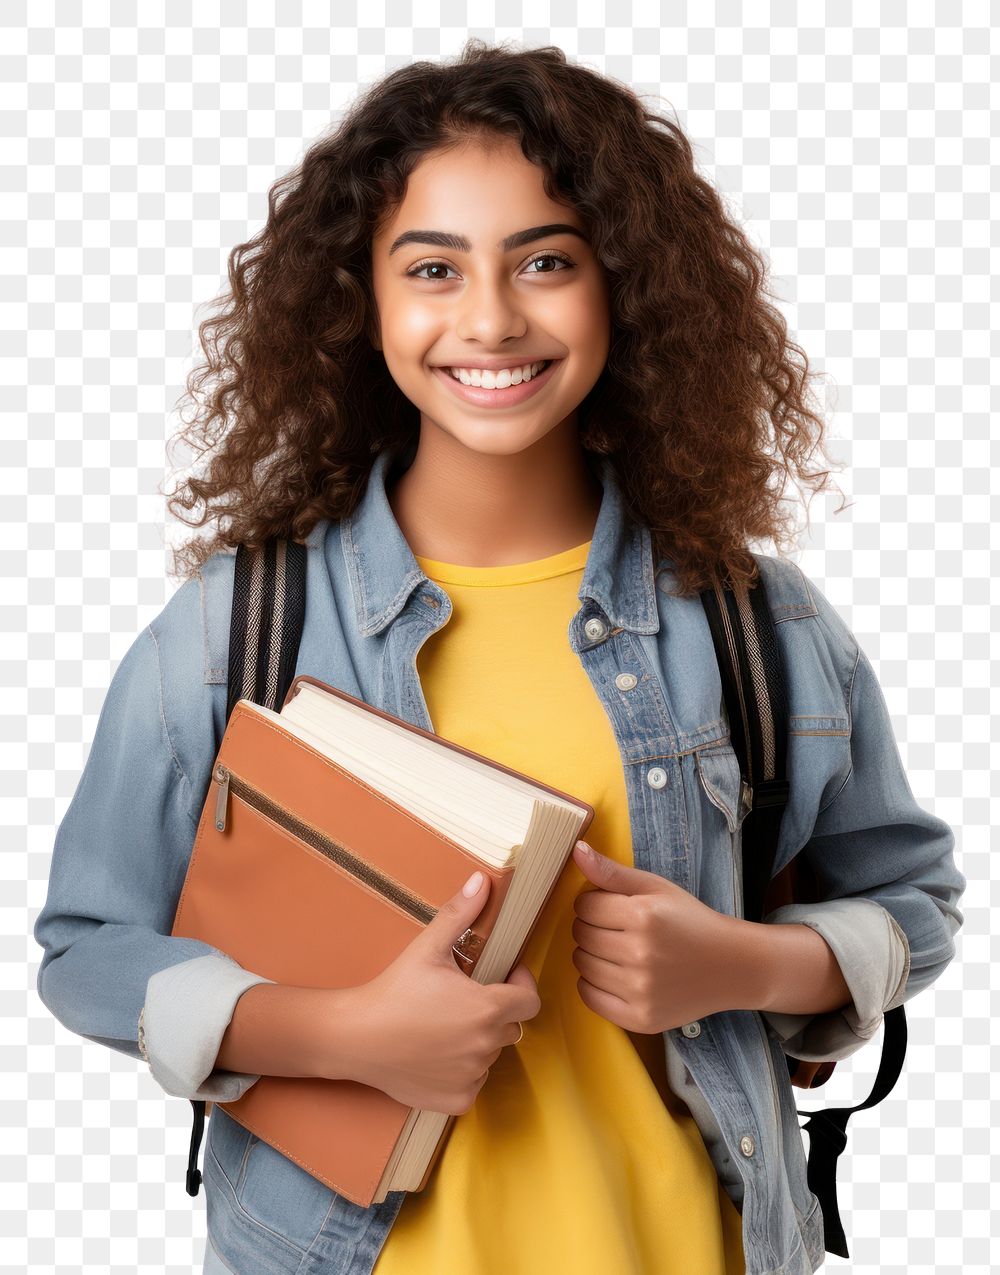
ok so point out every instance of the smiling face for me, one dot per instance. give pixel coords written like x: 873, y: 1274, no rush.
x: 494, y: 314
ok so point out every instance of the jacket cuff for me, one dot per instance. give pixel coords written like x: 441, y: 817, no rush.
x: 188, y: 1008
x: 874, y: 958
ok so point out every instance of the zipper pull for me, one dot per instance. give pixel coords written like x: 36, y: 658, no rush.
x: 467, y: 949
x: 221, y: 777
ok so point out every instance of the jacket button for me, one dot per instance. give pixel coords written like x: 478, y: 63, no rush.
x: 625, y: 681
x: 691, y: 1029
x: 746, y: 1144
x: 595, y: 629
x: 657, y: 777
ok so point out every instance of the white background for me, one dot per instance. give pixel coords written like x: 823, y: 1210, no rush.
x: 851, y: 141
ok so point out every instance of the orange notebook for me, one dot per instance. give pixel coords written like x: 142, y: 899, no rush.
x: 330, y: 836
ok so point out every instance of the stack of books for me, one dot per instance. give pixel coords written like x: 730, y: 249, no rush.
x: 331, y: 834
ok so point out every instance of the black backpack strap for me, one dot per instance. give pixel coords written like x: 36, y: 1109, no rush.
x: 828, y: 1130
x: 753, y: 684
x: 755, y: 693
x: 269, y: 602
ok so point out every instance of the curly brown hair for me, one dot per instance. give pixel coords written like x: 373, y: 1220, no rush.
x: 702, y: 404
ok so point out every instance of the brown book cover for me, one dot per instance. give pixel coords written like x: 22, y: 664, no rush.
x: 303, y: 872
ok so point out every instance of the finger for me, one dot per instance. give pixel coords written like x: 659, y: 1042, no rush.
x: 599, y: 907
x: 611, y: 944
x: 604, y: 975
x: 455, y: 916
x: 521, y: 1004
x: 611, y: 874
x: 613, y: 1008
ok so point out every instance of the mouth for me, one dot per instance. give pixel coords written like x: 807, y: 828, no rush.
x: 509, y: 396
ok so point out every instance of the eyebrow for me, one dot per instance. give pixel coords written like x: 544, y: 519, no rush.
x: 442, y: 239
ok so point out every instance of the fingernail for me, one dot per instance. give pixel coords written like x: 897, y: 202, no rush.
x: 472, y: 885
x: 584, y: 847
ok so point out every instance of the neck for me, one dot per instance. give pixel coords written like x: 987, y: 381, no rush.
x: 484, y: 510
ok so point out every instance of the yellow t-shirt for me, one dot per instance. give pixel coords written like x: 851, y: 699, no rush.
x: 576, y: 1154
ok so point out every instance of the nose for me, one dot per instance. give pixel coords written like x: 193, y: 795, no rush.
x: 488, y: 313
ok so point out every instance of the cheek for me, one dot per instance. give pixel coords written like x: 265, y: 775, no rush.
x: 587, y: 330
x: 407, y: 341
x: 408, y: 333
x: 407, y: 324
x: 589, y: 356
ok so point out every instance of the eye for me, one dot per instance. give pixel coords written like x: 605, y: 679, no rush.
x: 550, y: 256
x: 416, y: 272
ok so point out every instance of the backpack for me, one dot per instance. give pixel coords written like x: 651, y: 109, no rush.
x: 267, y: 618
x: 269, y: 605
x: 754, y: 689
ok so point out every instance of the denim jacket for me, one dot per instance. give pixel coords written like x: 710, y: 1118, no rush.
x: 889, y: 885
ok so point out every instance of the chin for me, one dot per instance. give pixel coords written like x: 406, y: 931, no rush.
x: 497, y: 438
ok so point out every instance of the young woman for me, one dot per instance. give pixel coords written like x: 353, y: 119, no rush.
x: 502, y: 362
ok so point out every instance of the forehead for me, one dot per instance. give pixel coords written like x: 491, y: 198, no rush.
x: 480, y: 190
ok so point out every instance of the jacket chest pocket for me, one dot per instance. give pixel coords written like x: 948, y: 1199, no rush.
x: 718, y: 771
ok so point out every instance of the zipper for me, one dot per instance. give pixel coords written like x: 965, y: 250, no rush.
x: 367, y: 872
x: 466, y: 947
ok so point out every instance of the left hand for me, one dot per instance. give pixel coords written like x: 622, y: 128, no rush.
x: 652, y: 956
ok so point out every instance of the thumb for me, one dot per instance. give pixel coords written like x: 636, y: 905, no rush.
x: 611, y: 875
x: 456, y: 915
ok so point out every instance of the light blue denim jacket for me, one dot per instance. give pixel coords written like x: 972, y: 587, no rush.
x: 889, y: 882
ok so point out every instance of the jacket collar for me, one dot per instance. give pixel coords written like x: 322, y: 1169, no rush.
x: 618, y: 575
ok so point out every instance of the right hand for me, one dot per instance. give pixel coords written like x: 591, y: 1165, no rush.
x: 427, y: 1033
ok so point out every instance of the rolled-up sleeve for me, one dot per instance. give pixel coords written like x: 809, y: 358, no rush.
x: 187, y: 1010
x: 874, y: 958
x: 118, y: 866
x: 886, y: 890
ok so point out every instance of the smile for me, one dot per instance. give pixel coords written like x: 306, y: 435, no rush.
x: 509, y: 396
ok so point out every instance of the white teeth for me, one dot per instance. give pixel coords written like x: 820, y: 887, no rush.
x: 496, y: 380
